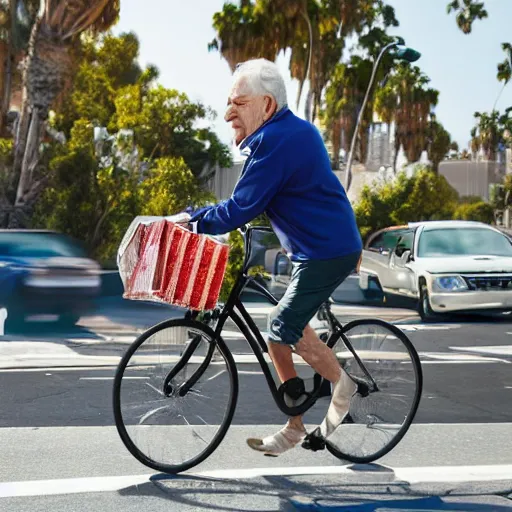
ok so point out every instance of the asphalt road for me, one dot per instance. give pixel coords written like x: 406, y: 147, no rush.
x: 62, y: 452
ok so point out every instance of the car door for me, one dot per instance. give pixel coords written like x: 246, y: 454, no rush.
x: 400, y: 275
x: 378, y: 253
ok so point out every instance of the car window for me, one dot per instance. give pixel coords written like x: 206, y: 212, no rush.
x: 39, y: 245
x: 407, y: 240
x: 386, y: 241
x: 438, y: 243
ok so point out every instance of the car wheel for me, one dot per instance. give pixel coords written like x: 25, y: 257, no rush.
x: 424, y: 308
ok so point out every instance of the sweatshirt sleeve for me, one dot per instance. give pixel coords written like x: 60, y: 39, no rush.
x: 261, y: 180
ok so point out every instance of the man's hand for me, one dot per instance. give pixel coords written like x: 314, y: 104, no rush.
x: 185, y: 224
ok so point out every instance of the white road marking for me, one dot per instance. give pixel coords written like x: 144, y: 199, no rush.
x: 86, y: 363
x: 459, y: 358
x: 216, y: 375
x: 427, y: 327
x: 412, y: 475
x: 59, y: 369
x: 367, y: 475
x: 496, y: 350
x: 481, y: 361
x: 112, y: 378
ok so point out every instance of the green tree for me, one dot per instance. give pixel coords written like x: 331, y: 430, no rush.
x: 50, y: 61
x: 431, y: 198
x: 486, y: 135
x: 165, y: 123
x: 106, y: 65
x: 169, y: 187
x: 407, y: 100
x: 504, y: 73
x: 466, y: 13
x: 93, y: 203
x: 149, y: 165
x: 424, y: 196
x: 439, y: 144
x: 314, y: 31
x: 478, y: 211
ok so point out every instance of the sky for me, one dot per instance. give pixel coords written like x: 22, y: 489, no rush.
x: 174, y: 35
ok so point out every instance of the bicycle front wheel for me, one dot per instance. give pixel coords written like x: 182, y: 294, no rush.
x: 162, y: 426
x: 390, y: 372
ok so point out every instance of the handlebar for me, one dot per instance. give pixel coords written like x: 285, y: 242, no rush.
x: 247, y: 229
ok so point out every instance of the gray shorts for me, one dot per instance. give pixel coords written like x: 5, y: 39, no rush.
x: 312, y: 283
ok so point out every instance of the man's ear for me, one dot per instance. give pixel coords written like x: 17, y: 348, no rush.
x: 270, y: 107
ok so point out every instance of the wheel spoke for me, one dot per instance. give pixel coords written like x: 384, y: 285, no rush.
x: 164, y: 430
x: 381, y: 418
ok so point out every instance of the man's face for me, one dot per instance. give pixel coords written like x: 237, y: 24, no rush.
x: 247, y: 112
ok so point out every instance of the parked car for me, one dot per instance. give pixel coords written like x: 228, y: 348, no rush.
x: 447, y: 266
x: 45, y: 273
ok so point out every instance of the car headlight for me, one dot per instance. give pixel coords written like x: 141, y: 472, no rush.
x: 450, y: 284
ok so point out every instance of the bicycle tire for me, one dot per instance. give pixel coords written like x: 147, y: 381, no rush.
x: 209, y: 335
x: 340, y: 448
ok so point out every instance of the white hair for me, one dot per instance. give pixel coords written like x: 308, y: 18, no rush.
x: 263, y: 77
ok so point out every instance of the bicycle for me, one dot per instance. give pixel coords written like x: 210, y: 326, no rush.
x: 179, y: 359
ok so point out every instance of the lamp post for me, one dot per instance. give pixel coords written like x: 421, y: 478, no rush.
x: 403, y: 53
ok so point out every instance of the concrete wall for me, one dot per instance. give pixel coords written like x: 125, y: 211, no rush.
x: 224, y: 181
x: 470, y: 178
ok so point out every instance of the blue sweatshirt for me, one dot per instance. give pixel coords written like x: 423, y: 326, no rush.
x: 288, y: 176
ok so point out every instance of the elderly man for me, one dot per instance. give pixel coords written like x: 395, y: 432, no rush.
x: 288, y: 175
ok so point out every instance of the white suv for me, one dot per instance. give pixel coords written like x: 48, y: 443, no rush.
x: 448, y: 266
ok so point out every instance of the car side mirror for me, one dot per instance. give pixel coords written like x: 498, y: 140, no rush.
x: 402, y: 250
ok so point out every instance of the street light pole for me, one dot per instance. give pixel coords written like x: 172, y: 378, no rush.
x: 407, y: 54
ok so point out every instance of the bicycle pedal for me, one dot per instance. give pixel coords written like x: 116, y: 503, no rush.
x: 314, y: 441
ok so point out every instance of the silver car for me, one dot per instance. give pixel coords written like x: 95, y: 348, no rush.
x: 448, y: 266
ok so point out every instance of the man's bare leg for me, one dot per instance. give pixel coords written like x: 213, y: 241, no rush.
x: 322, y: 359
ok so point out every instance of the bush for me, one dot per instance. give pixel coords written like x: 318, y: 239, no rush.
x: 424, y: 196
x: 478, y: 211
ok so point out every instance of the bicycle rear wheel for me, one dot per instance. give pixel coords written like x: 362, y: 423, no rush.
x: 162, y: 429
x: 378, y: 421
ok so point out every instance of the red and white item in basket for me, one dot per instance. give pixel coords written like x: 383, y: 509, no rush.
x: 162, y: 261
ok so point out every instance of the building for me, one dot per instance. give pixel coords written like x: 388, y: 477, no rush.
x: 473, y: 178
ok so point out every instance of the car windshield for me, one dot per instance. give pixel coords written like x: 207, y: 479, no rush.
x: 438, y: 243
x: 39, y: 245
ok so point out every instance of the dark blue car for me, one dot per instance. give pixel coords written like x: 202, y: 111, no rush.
x: 45, y: 273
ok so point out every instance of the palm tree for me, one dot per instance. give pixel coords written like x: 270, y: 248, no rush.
x: 439, y: 143
x: 48, y: 68
x: 489, y: 133
x: 504, y: 70
x: 241, y: 34
x: 16, y: 20
x: 315, y: 31
x: 467, y: 12
x: 406, y: 101
x: 348, y: 83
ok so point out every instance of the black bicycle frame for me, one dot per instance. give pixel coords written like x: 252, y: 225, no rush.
x: 235, y: 310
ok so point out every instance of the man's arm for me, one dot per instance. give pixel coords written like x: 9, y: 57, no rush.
x: 261, y: 180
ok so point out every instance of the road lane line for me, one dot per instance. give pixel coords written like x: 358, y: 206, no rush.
x: 112, y: 378
x: 367, y: 474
